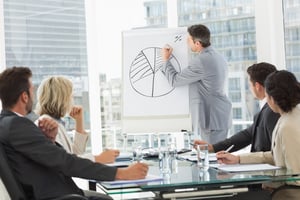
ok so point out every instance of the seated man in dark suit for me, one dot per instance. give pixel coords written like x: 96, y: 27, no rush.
x: 43, y: 168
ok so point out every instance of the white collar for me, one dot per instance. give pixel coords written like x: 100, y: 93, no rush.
x: 19, y: 114
x: 262, y: 103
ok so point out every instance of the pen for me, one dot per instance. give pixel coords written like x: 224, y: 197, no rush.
x: 167, y: 46
x: 229, y: 148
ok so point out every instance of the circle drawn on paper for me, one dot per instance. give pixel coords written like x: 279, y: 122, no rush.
x: 145, y: 75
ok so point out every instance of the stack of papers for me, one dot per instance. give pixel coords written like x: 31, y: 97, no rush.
x: 124, y: 156
x: 120, y: 164
x: 244, y: 167
x: 149, y: 178
x: 193, y: 157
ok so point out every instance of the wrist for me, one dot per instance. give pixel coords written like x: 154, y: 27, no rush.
x: 211, y: 148
x: 119, y: 174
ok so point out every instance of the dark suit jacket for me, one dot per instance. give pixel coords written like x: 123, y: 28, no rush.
x: 44, y: 169
x: 259, y: 134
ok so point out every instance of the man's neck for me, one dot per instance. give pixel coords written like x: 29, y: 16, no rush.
x: 19, y: 112
x: 262, y: 102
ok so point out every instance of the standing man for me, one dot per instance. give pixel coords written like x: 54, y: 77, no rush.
x: 206, y: 75
x: 43, y: 169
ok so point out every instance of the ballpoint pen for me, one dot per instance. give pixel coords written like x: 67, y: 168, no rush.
x: 229, y: 148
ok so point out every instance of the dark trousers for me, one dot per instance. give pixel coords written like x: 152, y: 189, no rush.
x: 289, y: 192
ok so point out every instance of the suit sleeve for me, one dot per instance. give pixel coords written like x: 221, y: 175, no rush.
x: 80, y: 141
x: 28, y: 140
x: 194, y: 72
x: 239, y: 140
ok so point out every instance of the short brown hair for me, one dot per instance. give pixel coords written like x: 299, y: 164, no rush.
x: 258, y: 72
x: 13, y: 81
x: 200, y: 33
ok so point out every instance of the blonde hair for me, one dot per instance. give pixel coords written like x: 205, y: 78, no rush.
x: 54, y: 96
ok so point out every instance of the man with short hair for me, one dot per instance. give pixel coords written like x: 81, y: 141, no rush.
x: 205, y: 75
x: 44, y: 169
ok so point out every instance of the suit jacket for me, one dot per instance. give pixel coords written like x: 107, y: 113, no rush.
x: 259, y: 134
x: 285, y: 145
x: 206, y: 76
x: 75, y: 146
x: 43, y: 168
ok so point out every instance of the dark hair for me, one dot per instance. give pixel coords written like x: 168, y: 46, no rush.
x: 200, y: 33
x: 259, y: 72
x: 13, y: 81
x: 284, y: 88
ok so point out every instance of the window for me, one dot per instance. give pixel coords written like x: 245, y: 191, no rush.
x: 51, y: 38
x: 292, y: 35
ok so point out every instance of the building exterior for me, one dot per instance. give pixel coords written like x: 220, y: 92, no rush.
x: 50, y: 38
x: 292, y: 35
x: 232, y: 26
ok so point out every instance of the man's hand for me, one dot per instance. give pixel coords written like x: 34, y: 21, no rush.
x: 49, y: 127
x: 134, y: 171
x: 166, y: 52
x: 107, y: 156
x: 198, y: 142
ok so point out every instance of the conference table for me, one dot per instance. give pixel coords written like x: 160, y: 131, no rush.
x: 187, y: 181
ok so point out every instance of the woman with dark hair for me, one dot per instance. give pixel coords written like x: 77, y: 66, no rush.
x: 283, y: 96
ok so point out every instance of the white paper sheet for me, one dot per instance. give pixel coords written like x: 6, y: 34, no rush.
x: 149, y: 178
x: 244, y: 167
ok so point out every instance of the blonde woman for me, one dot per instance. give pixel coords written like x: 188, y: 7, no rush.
x: 55, y: 100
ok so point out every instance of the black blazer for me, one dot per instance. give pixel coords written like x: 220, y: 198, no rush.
x: 44, y: 169
x: 259, y: 134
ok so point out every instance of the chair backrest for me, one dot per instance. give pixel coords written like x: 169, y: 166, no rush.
x: 13, y: 187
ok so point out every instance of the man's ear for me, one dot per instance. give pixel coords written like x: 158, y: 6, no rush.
x: 24, y: 97
x: 258, y: 86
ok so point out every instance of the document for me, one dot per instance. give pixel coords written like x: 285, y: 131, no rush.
x: 193, y: 157
x: 124, y: 156
x: 244, y: 167
x: 149, y: 178
x: 120, y: 164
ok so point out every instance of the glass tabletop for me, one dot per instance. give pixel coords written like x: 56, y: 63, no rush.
x: 188, y: 175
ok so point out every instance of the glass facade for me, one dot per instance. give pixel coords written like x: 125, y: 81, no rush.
x: 232, y: 26
x: 50, y: 38
x: 156, y: 13
x: 292, y: 35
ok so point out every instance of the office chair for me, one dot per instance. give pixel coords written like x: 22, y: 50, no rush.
x: 14, y: 189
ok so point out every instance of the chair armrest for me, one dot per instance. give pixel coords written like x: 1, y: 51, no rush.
x: 72, y: 197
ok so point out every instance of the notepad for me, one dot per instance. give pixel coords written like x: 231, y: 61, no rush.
x: 192, y: 157
x: 149, y: 178
x: 120, y: 164
x: 124, y: 156
x: 244, y: 167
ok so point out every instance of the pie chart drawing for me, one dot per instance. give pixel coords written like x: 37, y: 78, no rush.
x: 145, y: 75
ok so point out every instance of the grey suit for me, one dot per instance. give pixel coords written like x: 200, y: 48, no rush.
x: 44, y: 169
x: 210, y: 108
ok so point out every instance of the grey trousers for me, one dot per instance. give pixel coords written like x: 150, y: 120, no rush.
x: 213, y: 136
